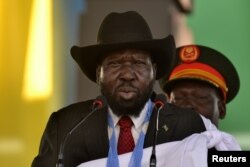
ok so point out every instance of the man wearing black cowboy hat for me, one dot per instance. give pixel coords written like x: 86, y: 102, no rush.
x: 202, y: 79
x: 125, y: 64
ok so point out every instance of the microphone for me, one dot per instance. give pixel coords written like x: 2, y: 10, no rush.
x: 159, y: 102
x: 99, y: 102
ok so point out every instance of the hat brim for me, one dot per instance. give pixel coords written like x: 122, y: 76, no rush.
x: 168, y: 86
x: 162, y: 52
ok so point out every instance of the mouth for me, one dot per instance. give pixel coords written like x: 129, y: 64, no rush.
x: 127, y: 93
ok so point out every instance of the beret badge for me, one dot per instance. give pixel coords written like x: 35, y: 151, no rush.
x: 189, y: 54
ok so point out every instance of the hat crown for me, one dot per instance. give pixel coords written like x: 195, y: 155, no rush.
x: 122, y: 28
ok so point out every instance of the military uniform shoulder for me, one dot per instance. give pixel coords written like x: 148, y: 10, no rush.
x: 174, y: 108
x: 181, y: 112
x: 187, y: 121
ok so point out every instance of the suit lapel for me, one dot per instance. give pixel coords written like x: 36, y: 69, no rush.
x: 97, y: 141
x: 167, y: 121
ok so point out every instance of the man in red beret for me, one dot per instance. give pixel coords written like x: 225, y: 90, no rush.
x: 202, y: 79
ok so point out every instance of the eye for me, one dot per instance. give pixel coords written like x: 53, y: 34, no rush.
x: 177, y: 99
x: 201, y: 97
x: 140, y: 63
x: 113, y: 64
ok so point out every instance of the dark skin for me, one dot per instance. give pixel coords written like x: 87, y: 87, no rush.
x: 126, y: 78
x: 200, y: 96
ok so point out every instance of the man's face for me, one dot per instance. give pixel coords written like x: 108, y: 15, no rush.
x: 126, y: 78
x: 200, y: 96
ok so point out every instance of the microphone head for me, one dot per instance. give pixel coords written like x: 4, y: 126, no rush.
x: 100, y: 102
x: 160, y: 100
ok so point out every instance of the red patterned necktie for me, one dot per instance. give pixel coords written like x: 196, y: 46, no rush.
x: 125, y: 141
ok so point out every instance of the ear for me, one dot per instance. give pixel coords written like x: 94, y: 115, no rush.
x: 222, y: 109
x: 98, y: 72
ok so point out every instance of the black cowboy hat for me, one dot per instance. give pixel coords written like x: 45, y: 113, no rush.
x: 190, y: 63
x: 126, y: 30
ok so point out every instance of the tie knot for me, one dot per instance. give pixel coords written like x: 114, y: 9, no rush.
x: 125, y: 122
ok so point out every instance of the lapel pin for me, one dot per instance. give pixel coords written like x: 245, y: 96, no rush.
x: 165, y: 127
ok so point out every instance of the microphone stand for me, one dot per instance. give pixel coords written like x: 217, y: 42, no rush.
x: 153, y: 160
x: 61, y: 151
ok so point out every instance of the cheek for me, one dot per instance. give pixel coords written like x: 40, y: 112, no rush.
x: 208, y: 110
x: 107, y: 78
x: 147, y: 75
x: 216, y: 110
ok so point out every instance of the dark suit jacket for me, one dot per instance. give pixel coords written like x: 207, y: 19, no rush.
x: 90, y: 140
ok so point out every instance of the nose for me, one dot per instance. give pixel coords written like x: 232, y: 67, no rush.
x: 187, y: 103
x: 127, y: 72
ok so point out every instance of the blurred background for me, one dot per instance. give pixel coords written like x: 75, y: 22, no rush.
x: 38, y: 76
